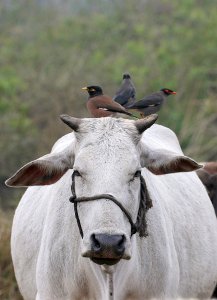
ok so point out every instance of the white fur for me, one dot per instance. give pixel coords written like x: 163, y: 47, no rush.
x: 177, y: 259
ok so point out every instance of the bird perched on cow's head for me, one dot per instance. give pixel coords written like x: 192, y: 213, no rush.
x: 126, y: 94
x: 151, y: 103
x: 100, y: 105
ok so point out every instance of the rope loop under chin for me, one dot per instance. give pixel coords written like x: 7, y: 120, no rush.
x: 135, y: 227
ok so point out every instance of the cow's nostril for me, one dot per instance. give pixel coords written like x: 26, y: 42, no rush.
x: 96, y: 246
x: 108, y: 245
x: 120, y: 248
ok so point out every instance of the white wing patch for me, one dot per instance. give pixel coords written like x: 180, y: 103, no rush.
x: 102, y: 108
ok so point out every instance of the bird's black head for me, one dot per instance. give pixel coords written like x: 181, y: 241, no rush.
x: 168, y: 91
x: 93, y: 90
x: 126, y: 76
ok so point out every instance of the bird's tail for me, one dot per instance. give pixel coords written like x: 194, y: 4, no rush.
x: 122, y: 111
x: 129, y: 106
x: 131, y: 115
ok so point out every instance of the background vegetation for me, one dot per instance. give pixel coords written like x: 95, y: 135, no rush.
x: 50, y: 49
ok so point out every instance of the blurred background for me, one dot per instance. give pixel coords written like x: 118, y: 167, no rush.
x: 49, y: 49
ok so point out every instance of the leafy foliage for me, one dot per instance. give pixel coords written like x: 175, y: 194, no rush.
x: 48, y: 55
x: 50, y: 51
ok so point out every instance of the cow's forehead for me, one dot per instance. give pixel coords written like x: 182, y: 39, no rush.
x: 105, y: 143
x: 114, y: 147
x: 102, y: 152
x: 106, y: 129
x: 105, y: 135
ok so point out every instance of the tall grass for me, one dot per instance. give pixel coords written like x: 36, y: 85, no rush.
x: 8, y: 286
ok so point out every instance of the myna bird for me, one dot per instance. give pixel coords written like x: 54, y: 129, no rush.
x: 100, y: 105
x: 126, y: 93
x: 151, y: 103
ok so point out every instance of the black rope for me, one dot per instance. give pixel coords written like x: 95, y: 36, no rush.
x: 77, y: 218
x: 139, y: 226
x: 145, y: 204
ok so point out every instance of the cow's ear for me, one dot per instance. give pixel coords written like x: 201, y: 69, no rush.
x: 160, y: 152
x: 44, y: 171
x: 166, y: 162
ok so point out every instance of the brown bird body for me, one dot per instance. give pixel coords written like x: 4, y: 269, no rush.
x: 100, y: 105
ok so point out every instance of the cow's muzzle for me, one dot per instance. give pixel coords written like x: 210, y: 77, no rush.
x: 107, y: 249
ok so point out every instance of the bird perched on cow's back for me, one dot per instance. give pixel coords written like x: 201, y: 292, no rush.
x: 151, y: 103
x: 100, y: 105
x: 126, y: 94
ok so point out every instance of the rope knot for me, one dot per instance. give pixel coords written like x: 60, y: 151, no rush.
x: 72, y: 199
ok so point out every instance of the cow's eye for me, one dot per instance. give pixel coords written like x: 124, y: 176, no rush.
x: 76, y: 173
x: 137, y: 174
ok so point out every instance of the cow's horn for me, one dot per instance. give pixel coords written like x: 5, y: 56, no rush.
x: 71, y: 122
x: 145, y: 123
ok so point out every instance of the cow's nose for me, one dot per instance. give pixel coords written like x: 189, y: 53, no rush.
x: 106, y: 245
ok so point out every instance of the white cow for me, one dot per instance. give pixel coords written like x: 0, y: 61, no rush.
x: 178, y: 258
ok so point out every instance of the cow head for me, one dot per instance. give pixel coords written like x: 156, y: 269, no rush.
x: 107, y: 156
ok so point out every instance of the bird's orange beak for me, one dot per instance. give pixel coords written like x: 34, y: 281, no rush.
x: 85, y: 88
x: 174, y: 93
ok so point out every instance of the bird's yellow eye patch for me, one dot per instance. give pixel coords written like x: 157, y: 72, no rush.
x: 92, y: 90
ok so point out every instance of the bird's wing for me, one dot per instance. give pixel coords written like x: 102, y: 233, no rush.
x: 106, y: 103
x: 119, y: 99
x: 119, y: 109
x: 123, y: 98
x: 151, y: 100
x: 125, y: 92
